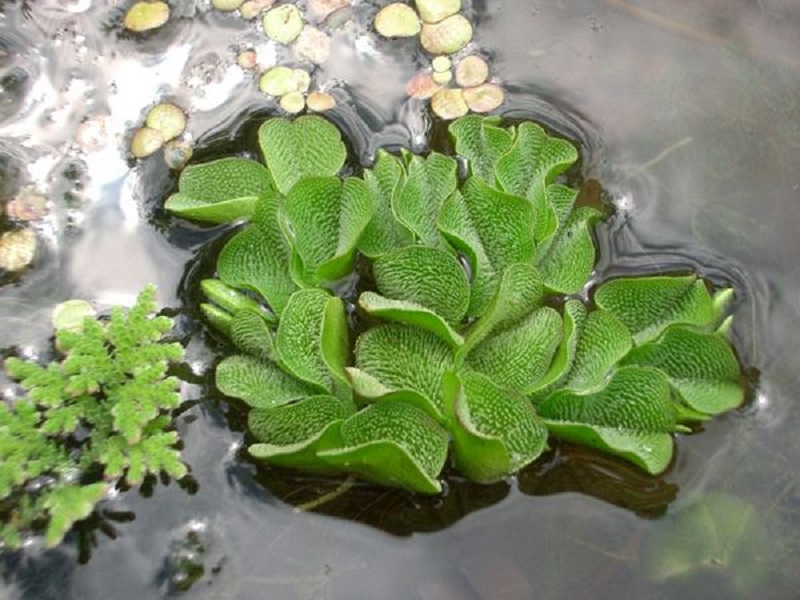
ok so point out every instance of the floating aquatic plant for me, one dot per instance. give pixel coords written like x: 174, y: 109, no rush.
x: 469, y: 339
x: 100, y: 415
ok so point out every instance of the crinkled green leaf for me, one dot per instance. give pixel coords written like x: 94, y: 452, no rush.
x: 299, y: 338
x: 259, y: 383
x: 603, y: 341
x: 291, y: 436
x: 701, y: 367
x: 409, y: 313
x: 518, y: 356
x: 494, y: 230
x: 482, y: 142
x: 427, y: 276
x: 402, y: 357
x: 496, y: 432
x: 417, y: 205
x: 220, y: 191
x: 575, y: 314
x: 250, y: 334
x: 257, y: 258
x: 392, y: 444
x: 309, y: 146
x: 327, y: 217
x: 385, y: 232
x: 568, y: 262
x: 648, y: 305
x: 519, y: 293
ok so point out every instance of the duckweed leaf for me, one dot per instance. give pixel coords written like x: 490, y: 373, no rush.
x: 602, y: 343
x: 409, y: 313
x: 575, y: 315
x: 384, y: 232
x: 533, y: 162
x: 426, y: 276
x: 257, y: 258
x: 299, y: 338
x: 258, y: 383
x: 327, y: 218
x: 496, y: 432
x: 429, y: 183
x: 482, y: 142
x: 290, y: 436
x: 370, y: 389
x: 220, y: 191
x: 648, y: 305
x: 401, y: 357
x: 568, y: 262
x: 392, y: 444
x: 309, y: 146
x: 701, y: 367
x: 494, y: 230
x: 519, y: 356
x: 250, y: 334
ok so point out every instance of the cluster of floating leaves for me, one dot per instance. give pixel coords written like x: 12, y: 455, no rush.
x: 473, y: 363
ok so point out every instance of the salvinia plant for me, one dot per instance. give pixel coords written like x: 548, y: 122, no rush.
x: 421, y: 315
x: 97, y: 416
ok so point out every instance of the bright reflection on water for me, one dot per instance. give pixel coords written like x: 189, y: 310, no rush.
x: 687, y: 113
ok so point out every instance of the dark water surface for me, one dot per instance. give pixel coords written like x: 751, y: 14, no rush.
x: 688, y: 113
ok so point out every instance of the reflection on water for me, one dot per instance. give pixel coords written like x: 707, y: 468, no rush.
x: 689, y: 117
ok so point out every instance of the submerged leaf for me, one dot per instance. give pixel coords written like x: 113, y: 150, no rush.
x: 648, y: 305
x: 426, y: 276
x: 258, y: 383
x: 220, y: 191
x: 494, y: 230
x: 496, y: 432
x: 701, y: 367
x: 309, y: 146
x: 482, y: 142
x: 327, y: 217
x: 257, y: 258
x: 392, y: 444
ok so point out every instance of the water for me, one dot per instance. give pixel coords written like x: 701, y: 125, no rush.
x: 689, y: 117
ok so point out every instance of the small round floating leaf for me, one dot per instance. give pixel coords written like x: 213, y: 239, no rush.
x: 220, y: 191
x: 497, y: 432
x: 392, y: 444
x: 482, y: 142
x: 71, y: 314
x: 260, y: 384
x: 298, y: 341
x: 167, y: 118
x: 309, y: 146
x: 250, y: 334
x: 447, y: 36
x: 397, y: 20
x: 701, y: 367
x: 144, y: 16
x: 449, y: 104
x: 569, y: 261
x: 283, y: 23
x: 648, y: 305
x: 145, y: 141
x: 472, y: 71
x: 433, y: 11
x: 410, y: 313
x: 484, y: 98
x: 426, y: 276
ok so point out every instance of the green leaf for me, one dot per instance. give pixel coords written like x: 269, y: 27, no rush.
x: 496, y: 432
x: 632, y: 417
x: 569, y: 260
x: 220, y: 191
x: 494, y: 230
x: 575, y: 315
x: 700, y: 366
x: 67, y: 505
x: 426, y: 276
x: 533, y: 163
x: 648, y: 305
x: 409, y: 313
x: 417, y: 205
x: 519, y: 356
x: 291, y: 436
x: 258, y: 383
x: 482, y: 142
x: 401, y: 357
x: 257, y: 258
x: 309, y: 146
x: 250, y: 334
x: 392, y: 444
x: 299, y: 338
x: 384, y: 232
x: 327, y: 217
